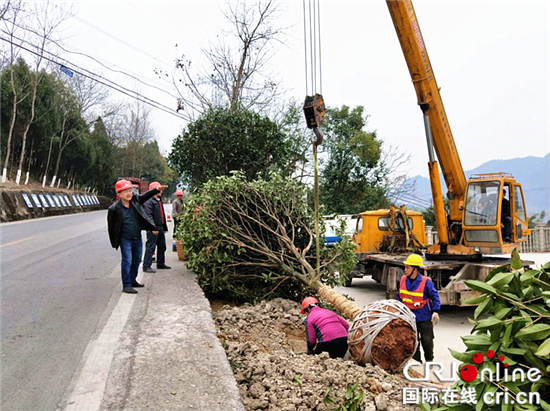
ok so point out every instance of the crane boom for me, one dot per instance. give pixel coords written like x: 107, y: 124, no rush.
x: 429, y: 100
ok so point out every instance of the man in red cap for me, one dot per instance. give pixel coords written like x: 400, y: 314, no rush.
x: 125, y: 220
x: 177, y: 207
x: 156, y: 237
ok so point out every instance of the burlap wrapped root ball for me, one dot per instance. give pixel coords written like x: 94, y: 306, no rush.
x: 383, y: 334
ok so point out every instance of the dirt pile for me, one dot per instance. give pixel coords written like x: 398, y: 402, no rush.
x: 265, y: 345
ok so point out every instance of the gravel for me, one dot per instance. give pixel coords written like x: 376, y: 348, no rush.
x: 265, y: 346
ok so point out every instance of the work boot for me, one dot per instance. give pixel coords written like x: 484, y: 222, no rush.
x: 163, y: 267
x: 137, y: 285
x: 129, y: 290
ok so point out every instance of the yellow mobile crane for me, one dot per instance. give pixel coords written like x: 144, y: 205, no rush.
x: 486, y: 213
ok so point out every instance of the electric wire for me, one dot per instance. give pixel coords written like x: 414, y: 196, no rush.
x: 122, y: 90
x: 90, y: 57
x: 114, y: 37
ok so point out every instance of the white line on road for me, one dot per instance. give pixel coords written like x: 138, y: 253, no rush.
x: 17, y: 241
x: 90, y: 386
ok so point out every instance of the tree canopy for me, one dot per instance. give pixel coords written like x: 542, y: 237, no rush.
x: 224, y: 140
x: 354, y: 176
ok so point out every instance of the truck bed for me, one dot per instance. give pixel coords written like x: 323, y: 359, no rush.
x: 448, y: 275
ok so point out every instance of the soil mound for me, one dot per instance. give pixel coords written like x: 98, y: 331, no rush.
x: 265, y: 345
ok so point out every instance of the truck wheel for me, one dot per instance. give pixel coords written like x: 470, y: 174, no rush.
x: 348, y: 281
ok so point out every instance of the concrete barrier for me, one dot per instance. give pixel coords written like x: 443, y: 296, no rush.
x: 14, y: 206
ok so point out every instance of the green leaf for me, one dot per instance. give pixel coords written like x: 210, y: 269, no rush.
x: 488, y: 323
x: 475, y: 300
x: 462, y: 357
x: 544, y: 349
x: 501, y: 279
x: 507, y: 335
x: 480, y: 286
x: 424, y: 407
x: 484, y: 307
x: 516, y: 260
x: 528, y: 276
x: 503, y: 312
x: 534, y: 332
x: 477, y: 342
x: 545, y: 406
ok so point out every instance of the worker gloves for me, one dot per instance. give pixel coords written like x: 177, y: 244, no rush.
x: 435, y: 318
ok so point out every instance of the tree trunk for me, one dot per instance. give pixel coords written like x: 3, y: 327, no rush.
x: 31, y: 119
x: 12, y: 126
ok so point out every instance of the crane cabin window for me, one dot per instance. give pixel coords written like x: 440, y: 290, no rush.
x: 518, y: 201
x: 384, y: 224
x: 482, y: 203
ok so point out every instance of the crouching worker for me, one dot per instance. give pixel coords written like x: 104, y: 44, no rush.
x: 325, y: 330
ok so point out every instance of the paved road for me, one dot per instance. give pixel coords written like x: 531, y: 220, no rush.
x: 60, y: 280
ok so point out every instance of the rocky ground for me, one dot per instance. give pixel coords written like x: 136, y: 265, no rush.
x: 265, y: 345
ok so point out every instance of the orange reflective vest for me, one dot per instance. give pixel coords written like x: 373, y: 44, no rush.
x: 413, y: 299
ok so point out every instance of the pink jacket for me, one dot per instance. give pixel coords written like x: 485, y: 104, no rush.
x: 323, y: 325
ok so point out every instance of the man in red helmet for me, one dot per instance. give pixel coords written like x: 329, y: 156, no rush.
x: 125, y: 220
x: 325, y: 330
x: 177, y: 207
x: 156, y: 237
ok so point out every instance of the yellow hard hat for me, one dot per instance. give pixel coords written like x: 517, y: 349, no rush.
x: 414, y: 259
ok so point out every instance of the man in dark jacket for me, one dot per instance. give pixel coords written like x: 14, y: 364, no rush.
x: 125, y: 220
x: 155, y: 238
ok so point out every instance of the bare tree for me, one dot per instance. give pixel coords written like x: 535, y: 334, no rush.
x: 91, y: 96
x: 138, y: 130
x: 69, y: 104
x: 11, y: 13
x: 237, y: 74
x: 48, y: 18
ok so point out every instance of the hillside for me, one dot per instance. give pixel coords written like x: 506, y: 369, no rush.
x: 532, y: 172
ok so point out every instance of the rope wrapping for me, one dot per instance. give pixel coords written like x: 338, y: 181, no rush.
x: 372, y: 319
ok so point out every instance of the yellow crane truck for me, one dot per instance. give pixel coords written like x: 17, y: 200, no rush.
x: 486, y: 214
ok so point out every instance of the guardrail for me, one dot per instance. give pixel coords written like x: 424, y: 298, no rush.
x: 537, y: 242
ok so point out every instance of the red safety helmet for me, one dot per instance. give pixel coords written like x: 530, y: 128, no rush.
x: 307, y: 302
x: 122, y: 185
x: 154, y: 184
x: 179, y: 193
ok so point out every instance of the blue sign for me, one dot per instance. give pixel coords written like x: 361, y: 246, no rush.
x: 66, y: 71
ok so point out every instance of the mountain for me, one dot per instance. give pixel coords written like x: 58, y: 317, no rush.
x: 532, y: 172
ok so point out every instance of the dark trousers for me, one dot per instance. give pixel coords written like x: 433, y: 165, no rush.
x: 176, y: 222
x: 131, y: 257
x: 425, y: 330
x: 336, y: 348
x: 507, y: 230
x: 158, y: 241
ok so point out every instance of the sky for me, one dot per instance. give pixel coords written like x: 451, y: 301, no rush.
x: 490, y: 59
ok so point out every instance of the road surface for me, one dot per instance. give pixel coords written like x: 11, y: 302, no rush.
x: 60, y: 280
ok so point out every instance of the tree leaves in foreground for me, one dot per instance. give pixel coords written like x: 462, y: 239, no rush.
x: 255, y: 240
x: 513, y: 320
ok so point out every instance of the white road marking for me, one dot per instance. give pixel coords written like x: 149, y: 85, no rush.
x: 90, y: 386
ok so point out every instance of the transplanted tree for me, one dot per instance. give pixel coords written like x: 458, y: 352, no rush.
x: 224, y: 140
x: 354, y: 178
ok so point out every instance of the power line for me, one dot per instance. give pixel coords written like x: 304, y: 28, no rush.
x: 115, y: 38
x: 122, y: 90
x: 90, y: 57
